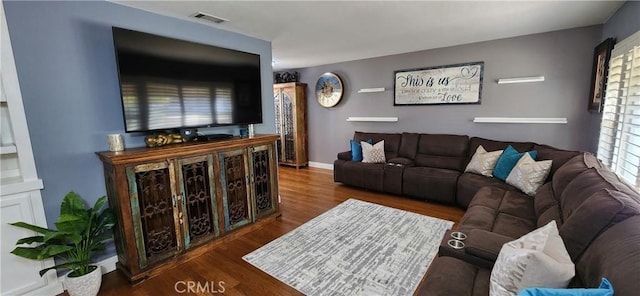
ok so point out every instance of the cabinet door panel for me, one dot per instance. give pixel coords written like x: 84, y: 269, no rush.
x: 263, y: 174
x: 199, y: 206
x: 235, y: 190
x: 154, y: 210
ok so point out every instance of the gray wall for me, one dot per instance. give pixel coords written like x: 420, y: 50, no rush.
x: 563, y: 57
x: 66, y: 65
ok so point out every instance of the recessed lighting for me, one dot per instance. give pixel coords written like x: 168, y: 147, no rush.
x: 210, y: 17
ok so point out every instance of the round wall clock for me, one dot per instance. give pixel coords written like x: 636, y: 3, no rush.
x: 329, y: 90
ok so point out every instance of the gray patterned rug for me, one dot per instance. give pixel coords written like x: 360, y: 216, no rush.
x: 356, y: 248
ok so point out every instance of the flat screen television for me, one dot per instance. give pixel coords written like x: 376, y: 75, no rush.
x: 170, y: 84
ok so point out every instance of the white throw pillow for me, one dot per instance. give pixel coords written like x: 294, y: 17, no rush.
x: 537, y: 259
x: 373, y: 153
x: 528, y: 175
x: 483, y: 162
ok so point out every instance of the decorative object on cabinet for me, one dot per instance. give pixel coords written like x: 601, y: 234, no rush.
x: 329, y: 90
x: 116, y: 142
x: 80, y: 232
x: 521, y: 80
x: 284, y: 77
x: 20, y: 185
x: 162, y: 139
x: 291, y: 123
x: 449, y: 84
x: 178, y: 202
x: 601, y: 56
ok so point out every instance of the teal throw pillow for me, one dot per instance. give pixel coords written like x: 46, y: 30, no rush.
x: 605, y: 289
x: 356, y: 149
x: 508, y: 160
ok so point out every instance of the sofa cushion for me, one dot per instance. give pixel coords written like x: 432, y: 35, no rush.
x: 605, y: 289
x: 558, y: 156
x: 508, y: 160
x: 528, y: 175
x: 356, y: 150
x: 546, y: 206
x: 597, y: 213
x: 469, y: 184
x: 614, y: 254
x: 442, y: 151
x: 572, y: 168
x: 483, y: 162
x: 537, y: 259
x: 504, y: 212
x: 587, y: 183
x: 430, y: 183
x: 493, y: 145
x: 373, y: 153
x: 409, y: 145
x: 391, y: 141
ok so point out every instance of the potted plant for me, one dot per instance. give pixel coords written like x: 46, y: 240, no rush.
x: 80, y: 232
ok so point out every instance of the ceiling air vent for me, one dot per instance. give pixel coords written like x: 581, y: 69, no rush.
x: 209, y: 17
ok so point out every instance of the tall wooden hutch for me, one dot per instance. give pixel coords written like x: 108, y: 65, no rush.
x: 177, y: 201
x: 291, y: 123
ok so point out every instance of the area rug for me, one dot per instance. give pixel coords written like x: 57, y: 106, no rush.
x: 356, y: 248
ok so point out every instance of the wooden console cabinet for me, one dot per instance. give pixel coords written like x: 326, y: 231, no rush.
x: 177, y: 201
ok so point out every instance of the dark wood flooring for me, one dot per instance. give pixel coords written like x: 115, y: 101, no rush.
x: 305, y: 194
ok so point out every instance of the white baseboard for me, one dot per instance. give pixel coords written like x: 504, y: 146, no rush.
x: 109, y: 264
x: 320, y: 165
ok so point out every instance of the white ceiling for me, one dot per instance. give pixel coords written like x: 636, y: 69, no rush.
x: 311, y: 33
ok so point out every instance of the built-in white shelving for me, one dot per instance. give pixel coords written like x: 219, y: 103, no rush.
x: 8, y: 149
x: 521, y: 79
x: 371, y: 90
x: 373, y: 119
x: 20, y: 197
x: 557, y: 120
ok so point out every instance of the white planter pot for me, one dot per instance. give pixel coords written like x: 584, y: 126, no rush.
x: 86, y: 285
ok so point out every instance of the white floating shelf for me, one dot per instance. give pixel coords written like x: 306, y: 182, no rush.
x: 371, y: 90
x: 558, y: 120
x: 521, y: 80
x: 373, y: 119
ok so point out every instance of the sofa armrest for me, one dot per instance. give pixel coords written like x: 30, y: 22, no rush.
x: 345, y: 155
x: 485, y: 244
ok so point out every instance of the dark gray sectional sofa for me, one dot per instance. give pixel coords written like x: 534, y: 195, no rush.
x: 598, y: 215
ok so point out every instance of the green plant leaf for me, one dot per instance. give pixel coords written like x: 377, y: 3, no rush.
x: 56, y: 237
x: 29, y: 253
x: 99, y: 204
x: 71, y: 204
x: 30, y: 240
x: 67, y: 265
x: 32, y: 227
x: 53, y: 250
x: 107, y: 219
x: 72, y: 223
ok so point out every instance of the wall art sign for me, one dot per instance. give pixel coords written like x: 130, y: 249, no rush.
x: 601, y: 56
x: 449, y: 84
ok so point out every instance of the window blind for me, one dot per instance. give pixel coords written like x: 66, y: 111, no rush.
x: 619, y: 142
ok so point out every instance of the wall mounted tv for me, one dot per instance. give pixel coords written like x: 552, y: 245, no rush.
x: 171, y: 84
